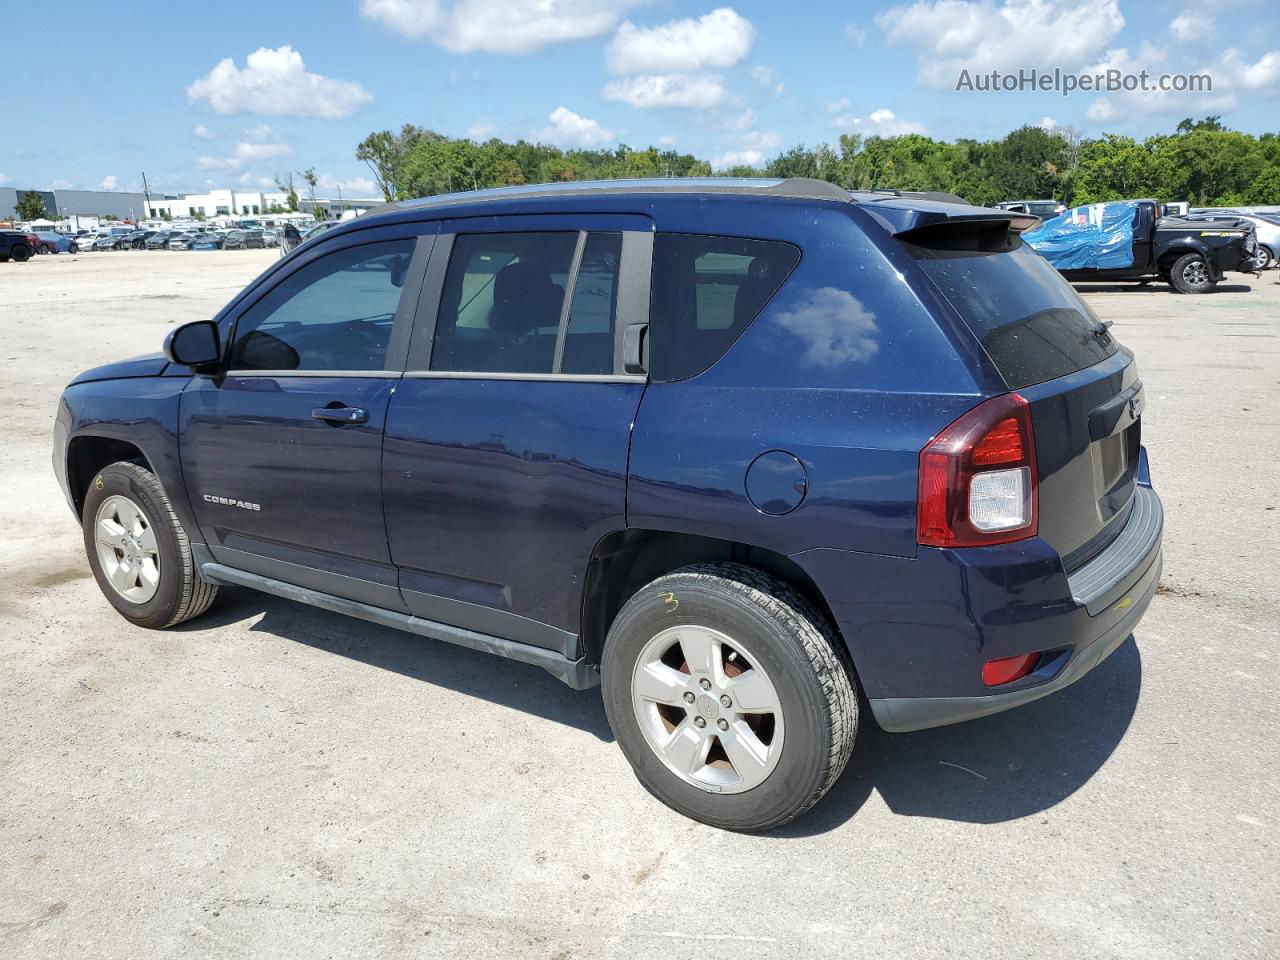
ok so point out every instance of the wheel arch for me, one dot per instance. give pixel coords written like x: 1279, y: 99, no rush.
x: 625, y: 560
x: 87, y: 454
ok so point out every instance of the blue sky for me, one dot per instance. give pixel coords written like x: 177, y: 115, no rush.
x: 234, y: 93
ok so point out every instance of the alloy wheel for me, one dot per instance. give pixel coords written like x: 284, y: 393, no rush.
x: 127, y: 549
x: 707, y: 709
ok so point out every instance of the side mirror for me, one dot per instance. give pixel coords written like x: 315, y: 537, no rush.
x: 195, y: 345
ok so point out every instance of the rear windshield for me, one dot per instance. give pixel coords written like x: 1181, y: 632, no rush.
x: 1030, y: 321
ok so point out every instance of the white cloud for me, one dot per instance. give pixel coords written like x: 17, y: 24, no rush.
x: 1048, y: 124
x: 246, y: 154
x: 109, y: 183
x: 61, y: 184
x: 1232, y: 75
x: 715, y: 41
x: 1005, y: 35
x: 750, y: 150
x: 355, y: 188
x: 834, y: 326
x: 855, y: 35
x: 481, y: 131
x: 568, y: 129
x: 261, y: 133
x: 517, y: 26
x: 694, y: 91
x: 3, y: 178
x: 277, y: 82
x: 663, y: 141
x: 1192, y: 26
x: 201, y: 132
x: 880, y: 123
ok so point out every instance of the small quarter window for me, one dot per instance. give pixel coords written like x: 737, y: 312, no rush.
x: 706, y: 292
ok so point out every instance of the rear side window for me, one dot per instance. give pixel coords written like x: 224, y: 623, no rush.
x: 504, y: 300
x: 1029, y: 320
x: 706, y: 291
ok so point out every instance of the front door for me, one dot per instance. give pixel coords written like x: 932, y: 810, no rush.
x: 506, y: 452
x: 282, y: 454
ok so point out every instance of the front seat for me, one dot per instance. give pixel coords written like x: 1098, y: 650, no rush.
x: 525, y: 300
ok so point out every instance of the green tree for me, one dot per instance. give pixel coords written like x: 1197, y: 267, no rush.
x: 31, y: 206
x: 285, y: 185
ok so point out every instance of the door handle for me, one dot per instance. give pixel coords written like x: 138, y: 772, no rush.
x: 339, y: 413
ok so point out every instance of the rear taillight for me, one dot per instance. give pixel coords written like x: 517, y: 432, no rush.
x: 978, y: 478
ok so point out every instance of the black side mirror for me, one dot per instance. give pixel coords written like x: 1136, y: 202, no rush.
x: 195, y: 345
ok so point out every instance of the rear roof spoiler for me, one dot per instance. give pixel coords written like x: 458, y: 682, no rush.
x: 902, y: 213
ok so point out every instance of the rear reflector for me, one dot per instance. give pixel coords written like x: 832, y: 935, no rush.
x: 1008, y: 669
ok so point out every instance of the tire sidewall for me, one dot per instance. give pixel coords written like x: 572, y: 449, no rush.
x: 802, y: 765
x: 117, y: 481
x: 1179, y: 281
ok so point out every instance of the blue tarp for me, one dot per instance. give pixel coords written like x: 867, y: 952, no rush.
x: 1098, y: 237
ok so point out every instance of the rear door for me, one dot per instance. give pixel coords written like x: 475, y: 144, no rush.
x: 283, y: 453
x: 506, y: 450
x: 1083, y: 388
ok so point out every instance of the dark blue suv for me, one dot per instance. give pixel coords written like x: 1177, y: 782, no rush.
x: 728, y: 448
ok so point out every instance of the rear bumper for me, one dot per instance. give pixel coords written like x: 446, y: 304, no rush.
x: 919, y: 630
x: 904, y: 714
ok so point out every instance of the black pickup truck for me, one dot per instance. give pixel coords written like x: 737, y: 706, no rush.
x: 1130, y: 240
x: 16, y: 245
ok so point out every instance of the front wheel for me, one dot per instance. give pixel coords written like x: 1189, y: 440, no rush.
x: 729, y: 696
x: 20, y: 253
x: 138, y: 550
x: 1190, y: 274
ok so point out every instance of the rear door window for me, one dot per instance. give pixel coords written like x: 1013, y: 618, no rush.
x: 1029, y: 320
x: 503, y: 304
x: 706, y: 291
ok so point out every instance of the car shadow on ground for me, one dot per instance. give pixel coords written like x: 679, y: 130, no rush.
x: 1004, y: 767
x: 508, y: 683
x: 1156, y: 286
x: 998, y: 768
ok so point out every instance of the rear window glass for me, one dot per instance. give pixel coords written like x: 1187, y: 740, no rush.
x: 706, y: 291
x: 1030, y: 321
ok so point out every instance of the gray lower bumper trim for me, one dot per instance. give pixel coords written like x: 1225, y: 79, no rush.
x: 576, y: 673
x: 904, y: 714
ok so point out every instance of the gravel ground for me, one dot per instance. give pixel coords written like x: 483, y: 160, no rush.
x: 276, y: 781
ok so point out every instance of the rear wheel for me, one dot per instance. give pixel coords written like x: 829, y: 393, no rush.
x: 1190, y: 274
x: 1267, y: 258
x: 20, y: 252
x: 138, y: 550
x: 729, y: 695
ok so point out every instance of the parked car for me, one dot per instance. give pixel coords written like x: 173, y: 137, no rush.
x: 658, y: 436
x: 16, y: 245
x: 182, y: 241
x: 1266, y: 229
x: 207, y: 241
x: 1129, y: 240
x: 1044, y: 209
x: 244, y: 240
x: 136, y: 240
x: 271, y: 238
x: 50, y: 241
x: 108, y: 241
x: 159, y: 240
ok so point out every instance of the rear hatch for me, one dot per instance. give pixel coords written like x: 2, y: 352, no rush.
x: 1048, y: 345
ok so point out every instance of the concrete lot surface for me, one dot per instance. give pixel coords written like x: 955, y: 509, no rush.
x: 275, y: 781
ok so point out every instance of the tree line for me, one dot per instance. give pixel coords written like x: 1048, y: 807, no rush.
x: 1201, y: 162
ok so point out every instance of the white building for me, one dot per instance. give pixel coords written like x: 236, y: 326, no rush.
x: 249, y: 203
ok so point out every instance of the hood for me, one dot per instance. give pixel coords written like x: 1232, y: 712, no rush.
x: 151, y: 365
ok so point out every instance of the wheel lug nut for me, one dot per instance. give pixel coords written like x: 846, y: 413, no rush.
x: 688, y: 697
x: 699, y: 722
x: 722, y: 723
x: 726, y: 702
x: 704, y: 683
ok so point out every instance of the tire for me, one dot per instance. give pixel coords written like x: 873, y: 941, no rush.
x: 20, y: 253
x: 1190, y: 274
x: 747, y: 616
x: 1269, y: 258
x: 166, y: 590
x: 74, y: 248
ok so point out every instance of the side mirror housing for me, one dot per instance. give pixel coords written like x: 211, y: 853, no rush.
x: 196, y: 345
